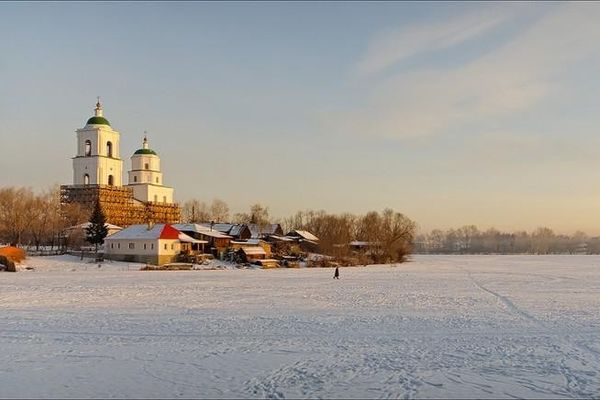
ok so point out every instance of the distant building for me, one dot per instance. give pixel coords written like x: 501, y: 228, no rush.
x: 251, y: 254
x: 263, y: 231
x: 98, y: 176
x: 266, y: 246
x: 236, y: 231
x: 306, y: 240
x: 146, y: 177
x: 302, y: 235
x: 157, y: 244
x: 218, y: 242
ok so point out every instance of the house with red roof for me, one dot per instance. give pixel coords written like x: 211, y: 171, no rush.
x: 156, y: 244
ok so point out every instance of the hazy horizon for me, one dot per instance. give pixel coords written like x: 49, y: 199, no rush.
x: 451, y: 113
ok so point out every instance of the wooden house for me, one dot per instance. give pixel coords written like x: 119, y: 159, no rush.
x: 218, y: 242
x: 236, y: 231
x: 264, y: 231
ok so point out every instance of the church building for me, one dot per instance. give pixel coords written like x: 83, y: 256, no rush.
x: 98, y: 176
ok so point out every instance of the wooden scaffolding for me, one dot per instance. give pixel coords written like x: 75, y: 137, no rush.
x: 119, y: 205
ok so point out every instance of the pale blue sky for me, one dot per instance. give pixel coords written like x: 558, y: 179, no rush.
x: 453, y: 113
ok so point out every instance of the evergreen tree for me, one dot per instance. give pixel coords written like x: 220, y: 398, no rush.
x: 97, y: 231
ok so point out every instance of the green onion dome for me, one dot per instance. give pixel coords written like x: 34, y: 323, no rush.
x: 145, y: 151
x: 98, y: 121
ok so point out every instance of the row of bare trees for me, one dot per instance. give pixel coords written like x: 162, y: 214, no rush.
x: 35, y: 219
x: 196, y: 211
x: 470, y: 240
x: 384, y: 237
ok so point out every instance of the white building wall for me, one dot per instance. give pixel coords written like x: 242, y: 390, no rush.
x: 139, y: 161
x: 136, y: 177
x: 98, y: 165
x: 153, y: 193
x: 146, y: 179
x: 161, y: 247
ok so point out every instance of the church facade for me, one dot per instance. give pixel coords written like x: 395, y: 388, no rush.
x: 98, y: 176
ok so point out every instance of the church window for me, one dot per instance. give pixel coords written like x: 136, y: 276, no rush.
x: 155, y: 198
x: 111, y: 180
x: 88, y: 148
x: 135, y: 178
x: 157, y: 179
x: 86, y: 179
x: 164, y: 199
x: 109, y: 149
x: 146, y: 166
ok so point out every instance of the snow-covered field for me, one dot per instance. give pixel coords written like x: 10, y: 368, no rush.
x: 439, y: 326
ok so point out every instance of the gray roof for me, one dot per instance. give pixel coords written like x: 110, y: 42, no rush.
x: 229, y: 229
x: 303, y: 234
x: 258, y: 231
x: 138, y: 232
x: 201, y: 229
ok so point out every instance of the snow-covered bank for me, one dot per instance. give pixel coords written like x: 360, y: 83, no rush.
x: 440, y: 326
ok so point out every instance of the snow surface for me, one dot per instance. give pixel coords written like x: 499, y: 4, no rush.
x: 437, y: 327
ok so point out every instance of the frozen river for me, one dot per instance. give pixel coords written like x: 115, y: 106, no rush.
x: 439, y: 326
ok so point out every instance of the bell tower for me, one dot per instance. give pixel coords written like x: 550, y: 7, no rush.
x: 146, y: 177
x: 98, y: 160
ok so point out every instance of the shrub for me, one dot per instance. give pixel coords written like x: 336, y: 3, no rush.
x: 14, y: 254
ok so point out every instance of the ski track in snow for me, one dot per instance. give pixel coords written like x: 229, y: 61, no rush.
x: 437, y: 327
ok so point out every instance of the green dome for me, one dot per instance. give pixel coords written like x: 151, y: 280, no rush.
x: 145, y: 151
x: 98, y: 121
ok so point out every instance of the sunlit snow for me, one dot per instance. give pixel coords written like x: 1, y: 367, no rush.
x: 439, y: 326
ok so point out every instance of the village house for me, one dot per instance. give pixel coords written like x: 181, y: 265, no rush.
x: 251, y: 254
x: 264, y: 231
x: 236, y: 231
x: 306, y: 240
x: 157, y: 244
x: 217, y: 242
x: 265, y: 246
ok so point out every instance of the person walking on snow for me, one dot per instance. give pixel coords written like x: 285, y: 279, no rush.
x: 336, y: 274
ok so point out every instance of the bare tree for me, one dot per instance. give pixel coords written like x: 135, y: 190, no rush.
x: 16, y: 209
x: 194, y: 211
x: 241, y: 218
x: 541, y: 240
x: 219, y: 211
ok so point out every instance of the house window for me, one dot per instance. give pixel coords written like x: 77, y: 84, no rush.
x: 132, y: 245
x: 111, y: 180
x: 88, y: 148
x: 172, y: 246
x: 86, y: 179
x: 165, y: 246
x: 146, y: 166
x: 109, y: 149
